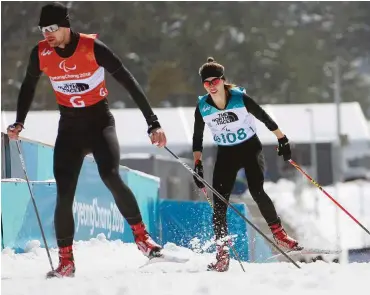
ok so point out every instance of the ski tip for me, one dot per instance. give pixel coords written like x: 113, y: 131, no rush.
x: 162, y: 258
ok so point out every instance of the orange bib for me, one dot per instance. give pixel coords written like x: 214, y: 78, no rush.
x: 78, y: 81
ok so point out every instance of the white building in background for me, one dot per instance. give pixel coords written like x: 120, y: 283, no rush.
x: 293, y: 119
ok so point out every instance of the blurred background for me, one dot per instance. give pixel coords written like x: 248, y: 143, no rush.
x: 300, y: 60
x: 306, y: 63
x: 282, y: 52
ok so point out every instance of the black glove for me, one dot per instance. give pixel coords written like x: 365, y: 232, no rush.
x: 153, y: 123
x: 198, y: 168
x: 284, y: 148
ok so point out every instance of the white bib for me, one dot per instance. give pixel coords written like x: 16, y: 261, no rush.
x: 230, y: 127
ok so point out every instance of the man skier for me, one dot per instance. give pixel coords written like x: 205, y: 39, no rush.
x: 75, y: 63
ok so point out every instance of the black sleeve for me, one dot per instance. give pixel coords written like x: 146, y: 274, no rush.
x: 198, y: 131
x: 27, y: 91
x: 256, y: 110
x: 111, y: 62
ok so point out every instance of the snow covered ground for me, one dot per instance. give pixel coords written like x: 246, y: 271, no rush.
x: 112, y: 267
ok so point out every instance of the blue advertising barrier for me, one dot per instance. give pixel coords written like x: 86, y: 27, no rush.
x: 94, y: 208
x: 184, y: 223
x: 38, y: 159
x: 94, y: 212
x: 189, y: 224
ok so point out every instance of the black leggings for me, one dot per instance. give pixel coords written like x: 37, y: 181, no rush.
x: 76, y: 138
x: 230, y: 160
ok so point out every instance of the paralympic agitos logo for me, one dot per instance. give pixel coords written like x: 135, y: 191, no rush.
x: 63, y: 66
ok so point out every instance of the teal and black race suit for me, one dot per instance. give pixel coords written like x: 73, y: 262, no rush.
x: 239, y: 147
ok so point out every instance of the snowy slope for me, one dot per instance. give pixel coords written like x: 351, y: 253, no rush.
x: 322, y: 230
x: 111, y: 267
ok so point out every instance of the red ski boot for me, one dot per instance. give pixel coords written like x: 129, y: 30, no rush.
x: 222, y: 258
x: 281, y: 237
x: 66, y: 266
x: 144, y: 242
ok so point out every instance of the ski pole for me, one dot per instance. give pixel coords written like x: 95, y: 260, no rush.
x: 2, y: 234
x: 34, y: 203
x: 230, y: 243
x: 329, y: 196
x: 231, y: 206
